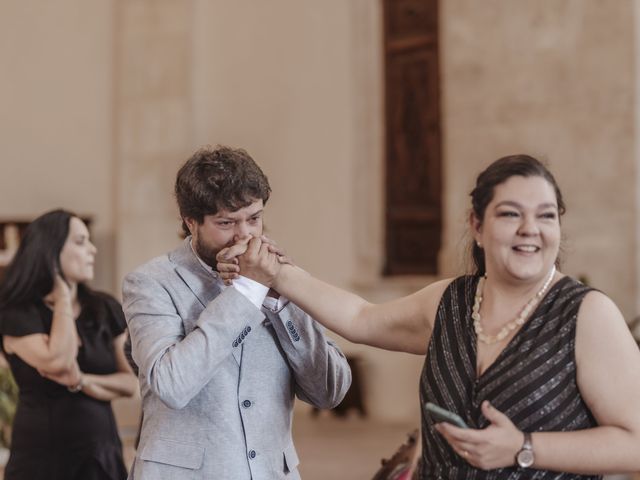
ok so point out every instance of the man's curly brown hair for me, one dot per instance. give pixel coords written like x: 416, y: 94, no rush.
x: 220, y: 178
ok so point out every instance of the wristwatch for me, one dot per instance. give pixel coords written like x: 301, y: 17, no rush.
x: 524, y: 457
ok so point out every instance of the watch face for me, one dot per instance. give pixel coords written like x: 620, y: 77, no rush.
x: 525, y: 458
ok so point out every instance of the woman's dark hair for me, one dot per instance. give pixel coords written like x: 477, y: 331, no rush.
x: 30, y: 274
x: 497, y: 173
x: 221, y: 178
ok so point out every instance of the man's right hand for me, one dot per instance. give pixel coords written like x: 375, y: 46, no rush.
x: 228, y: 265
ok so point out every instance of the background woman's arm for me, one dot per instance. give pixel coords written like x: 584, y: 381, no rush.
x: 122, y: 383
x: 54, y: 352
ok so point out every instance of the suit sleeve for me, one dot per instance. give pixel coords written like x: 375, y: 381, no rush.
x: 177, y: 365
x: 322, y: 374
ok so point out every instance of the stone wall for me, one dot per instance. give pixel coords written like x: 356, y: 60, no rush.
x: 102, y: 105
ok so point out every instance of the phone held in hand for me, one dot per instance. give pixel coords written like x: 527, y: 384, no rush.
x: 439, y: 414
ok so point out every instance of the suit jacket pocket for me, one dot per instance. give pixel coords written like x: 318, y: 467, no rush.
x: 174, y: 453
x: 291, y: 460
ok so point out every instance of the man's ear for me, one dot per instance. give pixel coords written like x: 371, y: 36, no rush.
x: 191, y: 224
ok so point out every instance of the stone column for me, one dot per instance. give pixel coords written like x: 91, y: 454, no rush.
x: 153, y: 129
x: 153, y: 123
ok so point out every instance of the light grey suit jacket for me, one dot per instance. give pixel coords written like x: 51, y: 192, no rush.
x: 218, y: 377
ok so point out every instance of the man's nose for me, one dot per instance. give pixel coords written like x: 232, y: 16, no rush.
x: 242, y: 229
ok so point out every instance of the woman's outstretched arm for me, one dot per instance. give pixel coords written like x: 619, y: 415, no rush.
x: 403, y: 325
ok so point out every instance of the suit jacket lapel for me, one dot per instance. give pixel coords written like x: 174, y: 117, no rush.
x: 188, y: 267
x: 197, y: 279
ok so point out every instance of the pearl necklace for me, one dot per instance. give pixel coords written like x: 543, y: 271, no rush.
x: 518, y: 322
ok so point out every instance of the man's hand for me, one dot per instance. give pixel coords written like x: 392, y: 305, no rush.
x: 493, y: 447
x: 228, y: 266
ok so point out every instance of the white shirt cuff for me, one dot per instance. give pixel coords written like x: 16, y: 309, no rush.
x: 255, y: 292
x: 275, y: 304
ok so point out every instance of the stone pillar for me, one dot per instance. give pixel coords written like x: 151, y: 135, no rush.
x: 153, y: 123
x: 153, y: 128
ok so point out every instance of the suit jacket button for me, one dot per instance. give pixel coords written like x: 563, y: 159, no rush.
x: 248, y: 329
x: 252, y: 454
x: 235, y: 343
x: 246, y: 403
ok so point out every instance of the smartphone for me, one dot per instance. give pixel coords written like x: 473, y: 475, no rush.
x: 439, y: 414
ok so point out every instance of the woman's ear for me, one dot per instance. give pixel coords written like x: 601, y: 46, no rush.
x: 57, y: 271
x: 475, y: 225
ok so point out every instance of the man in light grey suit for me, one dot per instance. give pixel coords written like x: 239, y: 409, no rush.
x: 219, y: 366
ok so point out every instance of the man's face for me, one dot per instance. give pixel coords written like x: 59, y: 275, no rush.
x: 223, y: 229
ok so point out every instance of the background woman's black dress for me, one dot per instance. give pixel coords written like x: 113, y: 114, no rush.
x: 59, y: 435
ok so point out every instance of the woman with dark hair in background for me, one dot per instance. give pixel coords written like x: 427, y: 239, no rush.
x: 541, y: 368
x: 63, y: 342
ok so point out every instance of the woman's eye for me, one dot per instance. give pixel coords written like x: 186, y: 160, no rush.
x: 549, y: 215
x: 508, y: 214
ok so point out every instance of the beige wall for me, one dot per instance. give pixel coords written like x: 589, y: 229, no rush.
x: 56, y: 114
x: 106, y: 100
x: 154, y: 124
x: 555, y: 79
x: 284, y: 95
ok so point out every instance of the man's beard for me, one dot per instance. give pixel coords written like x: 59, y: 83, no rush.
x: 207, y: 253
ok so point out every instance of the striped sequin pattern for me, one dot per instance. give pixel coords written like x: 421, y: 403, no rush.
x: 533, y: 380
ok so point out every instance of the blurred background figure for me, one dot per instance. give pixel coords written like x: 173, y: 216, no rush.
x: 63, y: 342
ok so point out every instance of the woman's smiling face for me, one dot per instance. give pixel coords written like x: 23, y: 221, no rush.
x: 520, y: 231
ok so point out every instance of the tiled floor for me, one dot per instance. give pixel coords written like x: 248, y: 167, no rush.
x: 334, y: 449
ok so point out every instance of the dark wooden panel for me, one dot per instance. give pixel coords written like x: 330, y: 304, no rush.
x: 410, y: 18
x: 415, y: 246
x: 413, y: 134
x: 413, y: 137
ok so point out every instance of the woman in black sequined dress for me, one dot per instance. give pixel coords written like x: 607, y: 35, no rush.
x: 542, y: 369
